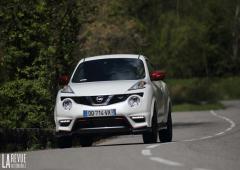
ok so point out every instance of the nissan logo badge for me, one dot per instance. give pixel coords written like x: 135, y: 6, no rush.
x: 99, y: 99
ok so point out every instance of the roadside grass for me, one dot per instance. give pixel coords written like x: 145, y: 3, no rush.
x: 226, y: 88
x: 203, y: 93
x: 197, y: 107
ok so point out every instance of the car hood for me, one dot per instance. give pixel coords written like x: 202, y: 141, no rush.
x: 102, y: 88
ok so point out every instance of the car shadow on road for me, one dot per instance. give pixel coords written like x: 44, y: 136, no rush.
x: 118, y: 144
x: 176, y: 125
x: 130, y: 144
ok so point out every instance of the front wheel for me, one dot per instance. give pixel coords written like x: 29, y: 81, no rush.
x: 151, y: 137
x: 64, y: 142
x: 165, y: 135
x: 86, y: 141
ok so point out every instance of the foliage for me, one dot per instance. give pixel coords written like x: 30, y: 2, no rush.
x: 112, y: 31
x: 204, y: 90
x: 37, y: 41
x: 24, y: 103
x: 195, y: 91
x: 194, y: 39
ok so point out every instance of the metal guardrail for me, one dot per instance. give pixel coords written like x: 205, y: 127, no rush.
x: 26, y: 138
x: 22, y: 139
x: 26, y: 129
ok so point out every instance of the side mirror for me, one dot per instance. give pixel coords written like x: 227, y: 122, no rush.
x: 63, y: 80
x: 157, y: 75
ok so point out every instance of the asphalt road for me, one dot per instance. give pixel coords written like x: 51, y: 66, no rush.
x: 207, y: 140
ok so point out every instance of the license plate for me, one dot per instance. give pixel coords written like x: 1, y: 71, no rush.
x: 99, y: 113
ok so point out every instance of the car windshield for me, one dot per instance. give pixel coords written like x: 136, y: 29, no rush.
x: 109, y: 69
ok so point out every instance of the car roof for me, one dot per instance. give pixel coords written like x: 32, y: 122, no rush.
x: 114, y: 56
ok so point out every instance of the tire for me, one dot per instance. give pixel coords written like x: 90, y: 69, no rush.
x: 151, y: 137
x: 86, y: 141
x: 165, y: 135
x: 64, y: 142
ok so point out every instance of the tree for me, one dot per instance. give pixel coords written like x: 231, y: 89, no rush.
x: 37, y: 40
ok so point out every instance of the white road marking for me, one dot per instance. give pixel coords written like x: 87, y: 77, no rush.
x: 206, y: 137
x: 147, y: 151
x: 152, y: 146
x: 190, y: 140
x: 165, y: 161
x: 220, y: 133
x: 232, y: 124
x: 228, y: 129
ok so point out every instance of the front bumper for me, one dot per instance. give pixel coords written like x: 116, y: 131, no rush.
x: 104, y: 131
x: 122, y: 123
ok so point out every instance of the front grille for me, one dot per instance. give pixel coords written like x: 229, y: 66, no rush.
x: 79, y: 100
x: 106, y: 99
x: 98, y: 100
x: 101, y: 122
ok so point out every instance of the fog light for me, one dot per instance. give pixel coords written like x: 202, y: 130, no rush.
x: 138, y: 119
x: 65, y: 122
x: 134, y: 101
x: 67, y: 104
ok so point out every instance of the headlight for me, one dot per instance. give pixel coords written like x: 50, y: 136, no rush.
x: 67, y: 104
x: 138, y: 85
x: 67, y: 89
x: 134, y: 101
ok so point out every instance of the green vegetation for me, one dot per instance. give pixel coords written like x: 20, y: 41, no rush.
x: 36, y: 45
x: 42, y: 39
x: 202, y: 93
x: 198, y: 90
x: 197, y: 107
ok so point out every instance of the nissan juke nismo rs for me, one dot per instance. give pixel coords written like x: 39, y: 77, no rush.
x: 113, y: 94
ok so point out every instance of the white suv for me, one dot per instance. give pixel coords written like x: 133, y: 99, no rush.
x: 113, y: 94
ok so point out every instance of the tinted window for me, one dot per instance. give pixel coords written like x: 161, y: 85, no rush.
x: 109, y: 69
